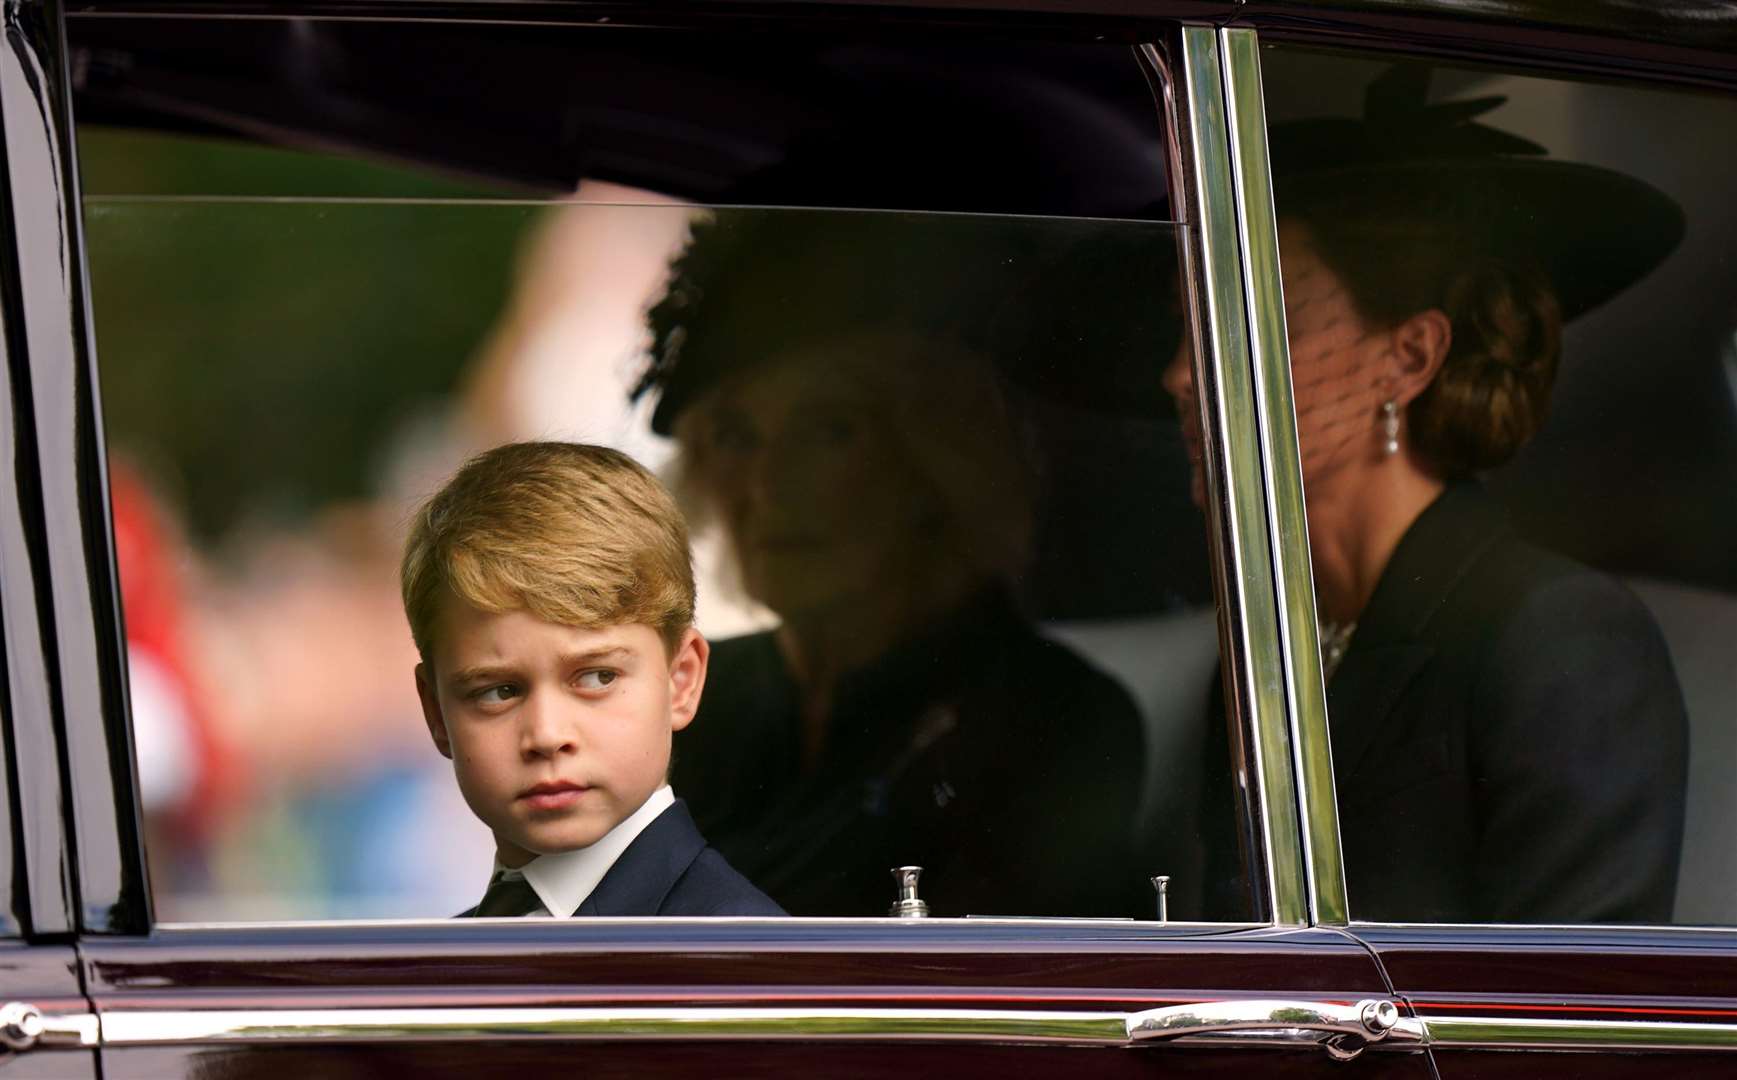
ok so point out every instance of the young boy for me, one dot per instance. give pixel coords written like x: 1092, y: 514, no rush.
x: 551, y: 595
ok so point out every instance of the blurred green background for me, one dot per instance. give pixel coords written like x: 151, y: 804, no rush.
x: 283, y: 319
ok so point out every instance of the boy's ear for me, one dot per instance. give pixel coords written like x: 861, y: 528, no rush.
x: 687, y: 678
x: 431, y: 710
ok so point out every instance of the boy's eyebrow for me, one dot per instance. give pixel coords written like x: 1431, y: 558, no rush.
x: 482, y: 671
x: 602, y: 652
x: 503, y: 671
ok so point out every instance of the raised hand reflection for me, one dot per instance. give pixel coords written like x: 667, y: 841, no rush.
x: 836, y: 418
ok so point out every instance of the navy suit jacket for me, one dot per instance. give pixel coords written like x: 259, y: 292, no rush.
x: 669, y: 870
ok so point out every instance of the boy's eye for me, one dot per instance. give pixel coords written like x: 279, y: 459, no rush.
x: 598, y: 679
x: 496, y: 695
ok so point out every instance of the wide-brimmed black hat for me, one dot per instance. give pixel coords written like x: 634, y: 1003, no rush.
x: 1593, y: 231
x: 755, y: 284
x: 1084, y: 335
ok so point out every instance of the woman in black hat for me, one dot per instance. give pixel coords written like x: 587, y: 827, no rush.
x: 1509, y: 739
x: 824, y: 376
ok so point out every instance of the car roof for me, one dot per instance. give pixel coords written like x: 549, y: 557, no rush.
x: 1682, y: 41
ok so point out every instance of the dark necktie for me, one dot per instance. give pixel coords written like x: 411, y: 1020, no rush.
x: 508, y: 896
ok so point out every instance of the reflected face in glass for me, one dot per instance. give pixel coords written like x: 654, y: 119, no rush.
x: 1337, y: 362
x: 803, y: 464
x: 555, y: 733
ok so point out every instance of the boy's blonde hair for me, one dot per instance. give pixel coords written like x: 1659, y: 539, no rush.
x: 574, y: 534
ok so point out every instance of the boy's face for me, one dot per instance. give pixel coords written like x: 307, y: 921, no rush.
x: 556, y: 733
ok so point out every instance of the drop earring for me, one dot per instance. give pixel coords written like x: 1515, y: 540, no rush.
x: 1390, y: 427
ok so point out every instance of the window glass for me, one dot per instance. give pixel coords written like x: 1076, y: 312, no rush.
x: 1509, y: 302
x: 956, y: 590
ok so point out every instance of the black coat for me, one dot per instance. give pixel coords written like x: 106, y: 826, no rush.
x: 669, y: 870
x: 997, y: 760
x: 1509, y: 739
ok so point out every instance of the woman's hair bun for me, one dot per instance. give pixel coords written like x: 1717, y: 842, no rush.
x: 1400, y: 252
x: 1493, y: 390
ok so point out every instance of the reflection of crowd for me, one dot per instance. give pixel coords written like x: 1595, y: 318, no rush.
x: 279, y: 769
x: 184, y: 770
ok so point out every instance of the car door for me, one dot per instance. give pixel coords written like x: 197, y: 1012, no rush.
x: 41, y: 971
x: 1640, y: 409
x: 694, y: 108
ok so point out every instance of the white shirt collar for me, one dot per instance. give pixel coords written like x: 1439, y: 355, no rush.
x: 563, y: 880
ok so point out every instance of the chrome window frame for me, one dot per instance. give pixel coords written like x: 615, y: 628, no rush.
x: 1267, y: 622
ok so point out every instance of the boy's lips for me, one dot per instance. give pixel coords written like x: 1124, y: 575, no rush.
x: 552, y: 794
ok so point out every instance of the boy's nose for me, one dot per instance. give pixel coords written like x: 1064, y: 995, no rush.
x: 545, y: 729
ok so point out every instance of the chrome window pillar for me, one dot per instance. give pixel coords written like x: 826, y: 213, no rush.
x: 1254, y: 480
x: 1286, y: 517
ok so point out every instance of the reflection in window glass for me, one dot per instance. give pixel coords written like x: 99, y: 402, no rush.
x: 1506, y: 309
x: 956, y: 587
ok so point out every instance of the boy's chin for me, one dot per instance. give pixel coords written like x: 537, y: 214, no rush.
x: 559, y: 841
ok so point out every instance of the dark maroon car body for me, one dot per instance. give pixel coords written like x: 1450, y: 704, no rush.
x: 123, y: 998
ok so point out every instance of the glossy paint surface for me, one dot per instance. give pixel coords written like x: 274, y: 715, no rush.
x: 747, y: 1060
x: 639, y: 961
x: 20, y: 649
x: 1067, y: 967
x: 44, y: 975
x: 1454, y: 963
x: 1684, y: 41
x: 1567, y: 975
x: 1507, y: 1065
x: 47, y: 977
x: 79, y: 613
x: 41, y: 901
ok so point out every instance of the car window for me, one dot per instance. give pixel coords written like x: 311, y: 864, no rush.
x: 1509, y: 306
x: 888, y: 320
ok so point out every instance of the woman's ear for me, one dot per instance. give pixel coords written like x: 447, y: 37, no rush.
x: 687, y: 678
x: 1420, y: 347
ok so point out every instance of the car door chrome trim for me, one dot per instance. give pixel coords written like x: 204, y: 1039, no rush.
x: 1282, y: 478
x: 1342, y: 1029
x: 152, y: 1027
x: 1237, y: 509
x: 23, y: 1026
x: 1527, y: 1033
